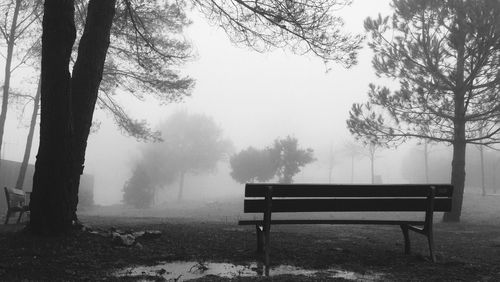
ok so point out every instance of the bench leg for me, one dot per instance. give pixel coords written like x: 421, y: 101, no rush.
x: 7, y: 217
x: 406, y: 235
x: 267, y: 247
x: 259, y: 230
x: 430, y: 239
x: 267, y: 228
x: 19, y: 218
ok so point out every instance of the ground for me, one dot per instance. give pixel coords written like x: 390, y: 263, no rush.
x: 469, y: 251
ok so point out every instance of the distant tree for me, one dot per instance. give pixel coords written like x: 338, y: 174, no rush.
x: 150, y: 174
x: 192, y: 143
x: 138, y: 191
x: 446, y: 56
x: 439, y: 159
x: 331, y: 163
x: 303, y: 26
x: 252, y: 165
x: 29, y: 139
x: 289, y: 158
x: 372, y: 151
x: 354, y: 151
x: 20, y: 29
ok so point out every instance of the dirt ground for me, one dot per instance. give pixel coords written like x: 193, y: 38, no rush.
x: 469, y: 251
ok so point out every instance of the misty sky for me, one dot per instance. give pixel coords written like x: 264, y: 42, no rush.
x: 254, y: 97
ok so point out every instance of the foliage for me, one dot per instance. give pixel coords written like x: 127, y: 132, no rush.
x: 252, y: 165
x: 446, y: 57
x: 289, y: 158
x: 145, y: 52
x: 302, y: 26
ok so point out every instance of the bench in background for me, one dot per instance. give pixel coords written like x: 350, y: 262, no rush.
x: 16, y: 202
x: 268, y: 198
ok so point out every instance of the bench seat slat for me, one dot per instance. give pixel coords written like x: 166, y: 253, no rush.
x: 341, y: 190
x: 347, y: 205
x: 332, y: 221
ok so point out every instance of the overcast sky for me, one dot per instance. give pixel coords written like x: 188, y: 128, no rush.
x: 254, y: 97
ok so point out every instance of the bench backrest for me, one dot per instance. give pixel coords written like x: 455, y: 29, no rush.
x: 14, y: 197
x: 340, y: 197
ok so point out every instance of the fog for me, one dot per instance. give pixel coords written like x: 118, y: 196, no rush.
x: 255, y: 98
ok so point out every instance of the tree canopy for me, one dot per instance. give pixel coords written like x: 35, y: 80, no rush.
x: 289, y: 158
x: 144, y: 59
x: 191, y: 144
x: 302, y: 26
x: 283, y: 159
x: 252, y: 165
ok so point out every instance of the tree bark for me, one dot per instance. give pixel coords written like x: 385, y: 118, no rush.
x: 8, y: 62
x: 29, y: 140
x: 50, y: 206
x: 87, y: 76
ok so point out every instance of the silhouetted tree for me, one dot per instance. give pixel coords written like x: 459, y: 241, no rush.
x: 289, y: 158
x: 252, y: 165
x: 302, y: 26
x: 446, y: 56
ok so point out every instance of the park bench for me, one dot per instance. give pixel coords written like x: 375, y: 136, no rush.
x: 269, y: 198
x: 16, y: 202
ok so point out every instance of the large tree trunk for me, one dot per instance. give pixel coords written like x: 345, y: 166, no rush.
x: 8, y: 62
x: 50, y: 205
x: 29, y: 141
x: 87, y: 75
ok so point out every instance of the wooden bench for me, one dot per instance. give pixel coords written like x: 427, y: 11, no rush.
x: 268, y: 198
x: 16, y: 202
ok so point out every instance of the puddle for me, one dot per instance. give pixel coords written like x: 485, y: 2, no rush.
x: 183, y: 271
